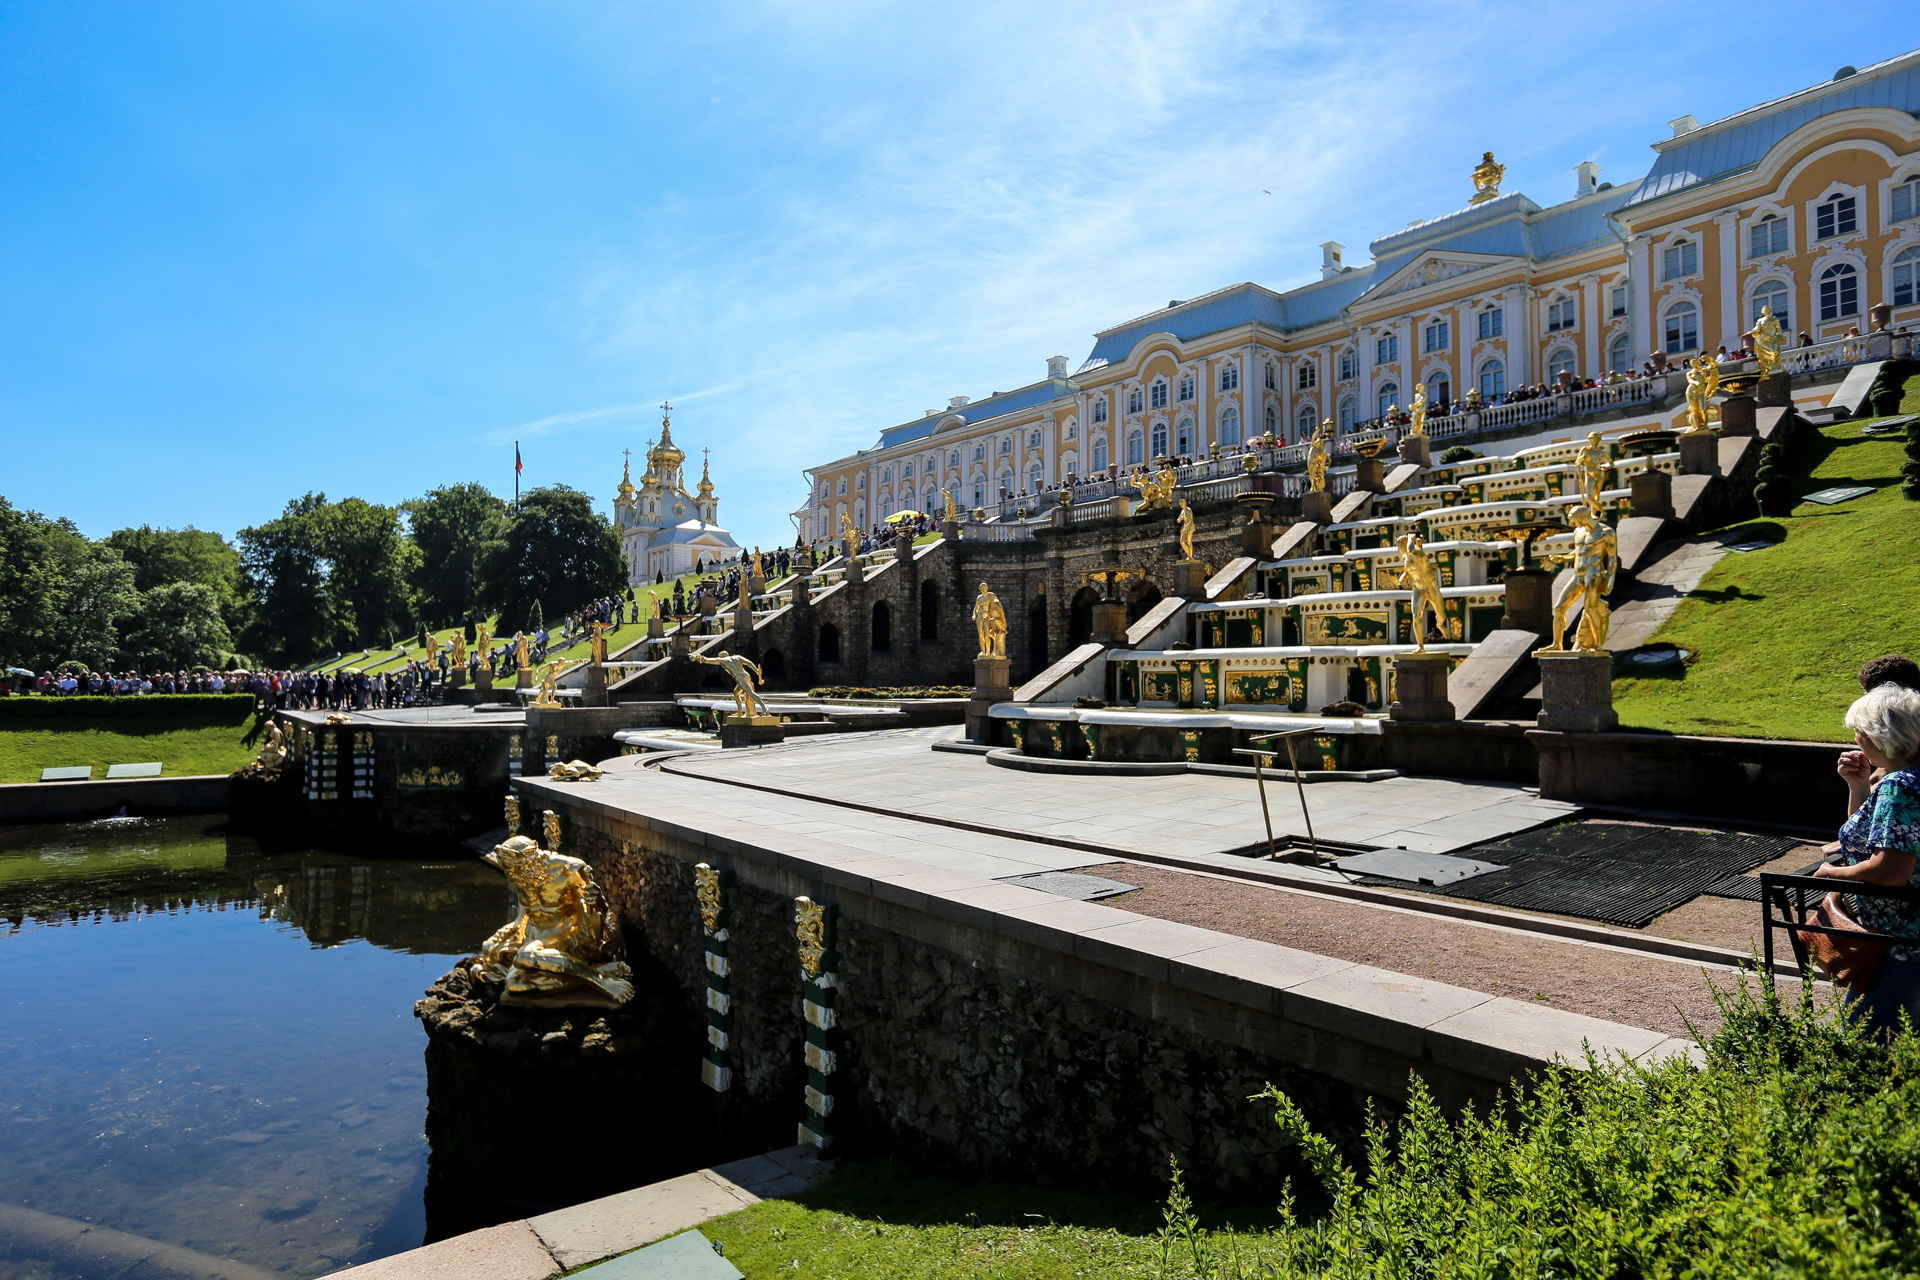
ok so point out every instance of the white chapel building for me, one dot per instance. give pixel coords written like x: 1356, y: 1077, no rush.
x: 664, y: 530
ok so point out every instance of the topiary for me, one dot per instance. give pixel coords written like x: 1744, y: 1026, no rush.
x: 1772, y: 486
x: 468, y: 631
x: 1458, y: 453
x: 1910, y: 469
x: 535, y: 618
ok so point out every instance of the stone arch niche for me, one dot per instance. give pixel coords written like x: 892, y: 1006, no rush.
x: 929, y: 610
x: 829, y: 646
x: 1080, y: 616
x: 1141, y: 597
x: 882, y: 641
x: 1037, y: 635
x: 773, y: 666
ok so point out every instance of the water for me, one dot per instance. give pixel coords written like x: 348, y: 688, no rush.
x: 212, y: 1046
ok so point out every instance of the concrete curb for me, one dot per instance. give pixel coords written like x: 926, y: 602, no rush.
x: 567, y: 1239
x: 64, y: 801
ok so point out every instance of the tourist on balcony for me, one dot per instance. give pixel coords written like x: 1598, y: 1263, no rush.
x: 1880, y: 844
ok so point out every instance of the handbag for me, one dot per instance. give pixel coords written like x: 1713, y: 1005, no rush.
x: 1848, y: 962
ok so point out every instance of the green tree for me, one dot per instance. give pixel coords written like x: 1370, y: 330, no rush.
x: 551, y: 551
x: 177, y: 626
x: 368, y: 565
x: 448, y: 528
x: 284, y: 569
x: 62, y: 598
x: 179, y: 555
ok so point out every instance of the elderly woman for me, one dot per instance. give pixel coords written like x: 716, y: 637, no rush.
x: 1880, y: 843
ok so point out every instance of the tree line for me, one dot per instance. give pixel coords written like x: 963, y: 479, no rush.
x: 320, y: 578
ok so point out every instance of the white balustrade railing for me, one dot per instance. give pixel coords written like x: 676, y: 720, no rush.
x: 1000, y: 532
x: 1513, y: 415
x: 1098, y: 509
x: 1614, y: 395
x: 1450, y: 424
x: 1831, y: 354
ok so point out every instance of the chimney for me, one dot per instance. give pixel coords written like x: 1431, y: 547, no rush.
x: 1330, y: 259
x: 1056, y: 366
x: 1589, y: 178
x: 956, y: 402
x: 1684, y: 125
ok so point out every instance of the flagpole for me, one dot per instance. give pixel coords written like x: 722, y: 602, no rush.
x: 516, y: 475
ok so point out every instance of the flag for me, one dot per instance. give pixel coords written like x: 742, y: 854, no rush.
x: 518, y: 466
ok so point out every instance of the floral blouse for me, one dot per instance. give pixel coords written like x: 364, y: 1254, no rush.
x: 1887, y: 819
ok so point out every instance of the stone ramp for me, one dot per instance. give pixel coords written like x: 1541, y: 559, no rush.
x: 1500, y: 662
x: 1660, y: 588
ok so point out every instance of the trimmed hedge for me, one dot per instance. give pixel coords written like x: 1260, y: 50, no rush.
x: 917, y: 691
x: 201, y: 708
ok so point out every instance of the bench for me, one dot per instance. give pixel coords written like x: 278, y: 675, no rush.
x: 70, y: 773
x: 150, y: 769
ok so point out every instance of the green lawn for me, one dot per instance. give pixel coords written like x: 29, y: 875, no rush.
x: 206, y: 744
x: 1779, y: 633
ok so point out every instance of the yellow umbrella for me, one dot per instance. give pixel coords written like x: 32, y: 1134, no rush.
x: 901, y: 515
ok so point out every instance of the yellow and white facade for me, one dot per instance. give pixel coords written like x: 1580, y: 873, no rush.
x: 1809, y: 204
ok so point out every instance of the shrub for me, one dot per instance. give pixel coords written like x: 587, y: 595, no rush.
x: 1457, y: 453
x: 916, y: 691
x: 201, y: 708
x: 1910, y: 469
x: 1793, y: 1149
x: 1773, y: 483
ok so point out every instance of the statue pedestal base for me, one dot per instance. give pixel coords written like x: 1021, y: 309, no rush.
x: 742, y: 626
x: 1774, y: 391
x: 1737, y: 416
x: 1700, y: 455
x: 756, y: 585
x: 1109, y: 622
x: 594, y: 693
x: 523, y: 678
x: 483, y: 679
x: 1420, y: 687
x: 1652, y: 494
x: 991, y: 684
x: 656, y: 628
x: 1190, y: 579
x: 1576, y: 692
x: 1417, y: 449
x: 1316, y: 507
x: 459, y: 677
x: 750, y: 731
x: 950, y: 530
x: 1529, y: 601
x: 682, y: 643
x: 1370, y: 474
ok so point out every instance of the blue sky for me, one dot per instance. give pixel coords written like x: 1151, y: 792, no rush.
x: 255, y: 249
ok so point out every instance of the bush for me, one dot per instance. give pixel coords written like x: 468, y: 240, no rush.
x: 1910, y: 469
x: 916, y: 691
x: 1457, y: 453
x: 1794, y: 1150
x: 1773, y: 482
x: 202, y: 708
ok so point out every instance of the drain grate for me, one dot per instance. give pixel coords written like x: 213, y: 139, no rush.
x: 1613, y: 872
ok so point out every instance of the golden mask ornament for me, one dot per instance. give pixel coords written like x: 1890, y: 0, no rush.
x: 706, y: 888
x: 810, y: 927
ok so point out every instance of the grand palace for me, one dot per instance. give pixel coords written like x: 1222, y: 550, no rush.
x: 1809, y: 204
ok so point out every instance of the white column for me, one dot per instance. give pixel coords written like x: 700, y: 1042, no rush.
x: 1520, y: 353
x: 1729, y: 224
x: 1640, y: 308
x: 1590, y: 321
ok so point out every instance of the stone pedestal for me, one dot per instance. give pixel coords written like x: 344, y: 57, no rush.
x: 1774, y: 391
x: 1737, y: 416
x: 756, y: 585
x: 1529, y: 601
x: 656, y: 628
x: 750, y: 731
x: 594, y: 692
x: 1417, y: 449
x: 1652, y: 494
x: 459, y: 677
x: 708, y: 606
x: 523, y: 678
x: 950, y: 530
x: 1420, y: 687
x: 848, y: 548
x: 1190, y: 579
x: 1122, y: 506
x: 1700, y: 455
x: 1109, y: 622
x: 742, y: 626
x: 682, y: 643
x: 856, y: 571
x: 483, y: 679
x: 802, y: 593
x: 1317, y: 507
x: 990, y: 685
x: 1370, y: 474
x: 1256, y: 535
x: 1576, y: 692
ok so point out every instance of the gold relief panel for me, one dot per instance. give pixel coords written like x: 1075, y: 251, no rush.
x: 431, y: 778
x: 810, y: 928
x: 1259, y: 686
x: 1357, y: 626
x: 512, y: 807
x: 553, y: 744
x: 706, y: 888
x: 550, y: 830
x: 362, y: 740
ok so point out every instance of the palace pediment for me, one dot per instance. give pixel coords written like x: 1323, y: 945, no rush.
x: 1431, y: 269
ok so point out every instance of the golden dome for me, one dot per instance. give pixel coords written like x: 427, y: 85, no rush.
x: 706, y: 483
x: 626, y: 479
x: 665, y: 458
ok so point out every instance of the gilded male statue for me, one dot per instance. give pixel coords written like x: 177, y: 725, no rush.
x: 1703, y: 380
x: 522, y: 651
x: 433, y: 648
x: 1595, y: 559
x: 564, y: 948
x: 990, y: 621
x: 1768, y: 337
x: 746, y: 674
x: 1421, y: 576
x: 1593, y: 461
x: 597, y: 645
x: 483, y: 642
x: 953, y: 511
x: 549, y: 695
x: 847, y: 531
x: 1318, y: 458
x: 1185, y: 521
x: 460, y: 650
x: 1418, y: 408
x: 273, y: 753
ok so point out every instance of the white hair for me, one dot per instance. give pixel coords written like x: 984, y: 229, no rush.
x: 1890, y: 717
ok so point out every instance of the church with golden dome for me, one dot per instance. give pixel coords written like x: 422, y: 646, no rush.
x: 664, y: 530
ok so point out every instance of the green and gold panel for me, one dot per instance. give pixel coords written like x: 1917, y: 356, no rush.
x: 1161, y: 685
x: 1260, y: 686
x: 1130, y: 683
x: 1207, y: 683
x: 1350, y: 626
x: 1374, y: 671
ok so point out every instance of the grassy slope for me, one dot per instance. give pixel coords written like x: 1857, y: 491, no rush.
x: 205, y: 746
x: 1779, y: 633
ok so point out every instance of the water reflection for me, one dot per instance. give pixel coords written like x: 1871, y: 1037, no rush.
x: 211, y: 1046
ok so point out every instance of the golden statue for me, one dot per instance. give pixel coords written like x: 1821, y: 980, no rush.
x: 549, y: 685
x: 847, y: 531
x: 746, y: 674
x: 512, y: 809
x: 953, y: 512
x: 1595, y: 559
x: 1156, y: 492
x: 433, y: 648
x: 522, y: 651
x: 1318, y: 458
x: 460, y: 650
x: 483, y: 643
x: 1185, y: 521
x: 1418, y: 408
x: 990, y: 622
x: 1421, y: 576
x: 1703, y: 380
x: 758, y: 572
x: 1593, y: 461
x: 564, y: 948
x: 273, y: 754
x: 575, y: 771
x: 1486, y: 179
x: 1768, y: 337
x: 597, y: 645
x: 746, y: 593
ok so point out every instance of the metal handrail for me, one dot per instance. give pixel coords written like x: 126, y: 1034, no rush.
x: 1260, y: 780
x: 1789, y: 893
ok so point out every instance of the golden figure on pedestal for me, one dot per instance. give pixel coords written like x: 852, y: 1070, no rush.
x: 953, y: 511
x: 1596, y: 560
x: 273, y: 754
x: 1318, y: 459
x: 1486, y: 179
x: 990, y: 622
x: 549, y: 686
x: 1703, y: 380
x: 1768, y: 337
x: 746, y: 702
x: 483, y: 643
x: 1418, y: 408
x: 460, y: 650
x: 597, y: 645
x: 1593, y: 461
x: 847, y: 531
x: 522, y: 651
x: 564, y: 948
x: 1185, y: 521
x: 1156, y: 491
x: 1421, y: 576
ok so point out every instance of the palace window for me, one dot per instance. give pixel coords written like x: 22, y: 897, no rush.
x: 1099, y: 410
x: 1099, y: 453
x: 1493, y: 323
x: 1273, y: 378
x: 1439, y: 336
x: 1619, y: 301
x: 1273, y: 421
x: 1136, y: 448
x: 1006, y: 445
x: 1769, y: 235
x: 1308, y: 421
x: 1683, y: 328
x: 886, y: 475
x: 1493, y: 380
x: 979, y: 453
x: 1906, y: 200
x: 1386, y: 350
x: 1771, y: 294
x: 1560, y: 315
x: 1349, y: 413
x: 1682, y: 259
x: 906, y: 471
x: 1439, y: 392
x: 1618, y: 358
x: 1135, y: 401
x: 1073, y: 430
x: 1183, y: 441
x: 1157, y: 394
x: 1349, y: 365
x: 1159, y: 440
x: 1388, y: 399
x: 1308, y: 376
x: 1186, y: 386
x: 953, y: 458
x: 1906, y: 277
x: 843, y: 486
x: 1835, y: 216
x: 1035, y: 478
x: 1229, y: 376
x: 1839, y: 292
x: 860, y: 481
x: 1560, y: 362
x: 1033, y: 438
x: 1229, y: 426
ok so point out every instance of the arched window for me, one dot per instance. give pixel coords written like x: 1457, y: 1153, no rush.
x: 829, y: 646
x: 1229, y: 425
x: 1159, y: 448
x: 882, y: 627
x: 1100, y: 453
x: 1186, y: 386
x: 1349, y: 365
x: 1388, y: 400
x: 1839, y: 292
x: 1136, y: 448
x: 1439, y: 392
x: 1349, y: 412
x: 1906, y: 277
x: 929, y: 611
x: 979, y: 493
x: 1560, y: 362
x: 1772, y: 294
x: 1682, y: 332
x: 1307, y: 421
x: 1767, y: 236
x: 1035, y: 477
x: 1493, y: 380
x: 1183, y: 439
x: 1618, y: 358
x: 1273, y: 420
x: 1835, y: 216
x: 1006, y: 479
